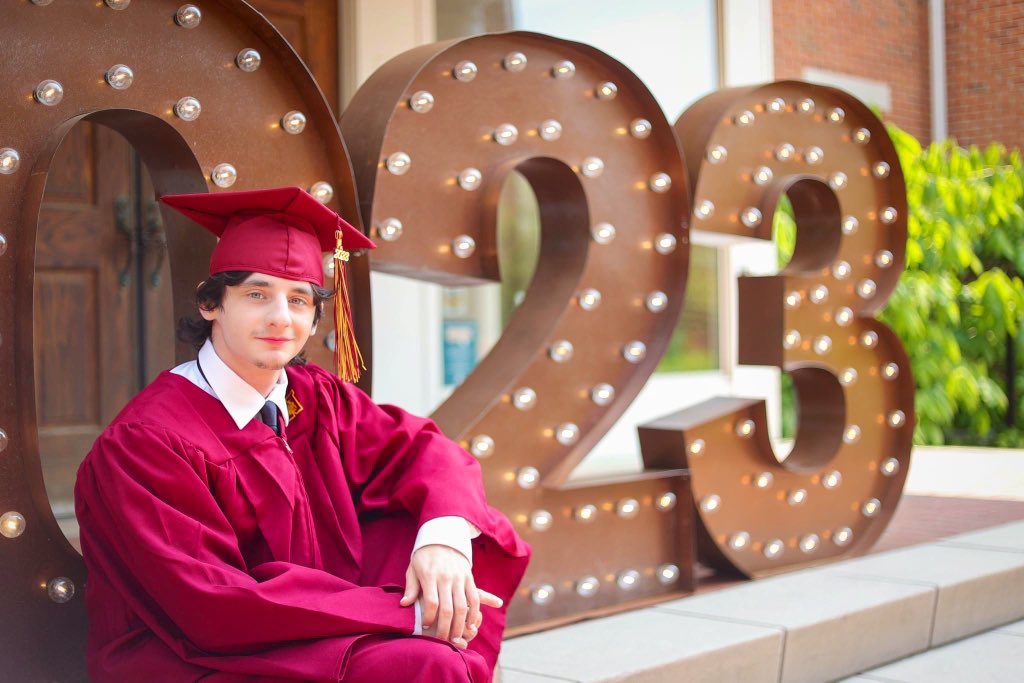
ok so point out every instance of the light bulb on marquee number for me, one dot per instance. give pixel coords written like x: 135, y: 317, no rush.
x: 119, y: 77
x: 12, y: 524
x: 656, y: 302
x: 745, y: 429
x: 293, y: 122
x: 505, y: 134
x: 465, y: 71
x: 10, y: 160
x: 587, y: 586
x: 61, y: 589
x: 224, y: 175
x: 528, y: 477
x: 640, y: 128
x: 837, y: 180
x: 589, y: 299
x: 561, y: 351
x: 470, y: 179
x: 524, y: 398
x: 389, y: 229
x: 482, y: 446
x: 603, y: 233
x: 550, y: 130
x: 627, y: 508
x: 398, y: 163
x: 542, y: 594
x: 665, y: 501
x: 248, y: 60
x: 750, y: 217
x: 607, y: 91
x: 785, y: 152
x: 628, y: 579
x: 585, y: 513
x: 567, y: 433
x: 836, y: 115
x: 602, y: 394
x: 744, y: 119
x: 705, y: 209
x: 592, y: 167
x: 322, y: 191
x: 634, y: 351
x: 739, y: 540
x: 563, y: 70
x: 49, y: 92
x: 717, y: 154
x: 421, y: 102
x: 667, y: 574
x: 463, y: 246
x: 540, y: 520
x: 188, y: 16
x: 660, y: 183
x: 514, y: 62
x: 842, y: 536
x: 188, y: 109
x: 665, y: 243
x: 814, y: 155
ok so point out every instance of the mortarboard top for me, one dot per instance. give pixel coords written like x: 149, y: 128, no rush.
x: 281, y: 231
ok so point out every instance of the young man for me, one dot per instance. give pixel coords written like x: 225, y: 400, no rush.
x: 250, y: 517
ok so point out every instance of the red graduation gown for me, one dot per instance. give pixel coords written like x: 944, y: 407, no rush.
x: 224, y: 555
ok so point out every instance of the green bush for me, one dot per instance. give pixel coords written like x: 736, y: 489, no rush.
x: 958, y: 305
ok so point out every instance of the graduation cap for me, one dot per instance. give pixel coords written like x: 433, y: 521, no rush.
x: 283, y: 232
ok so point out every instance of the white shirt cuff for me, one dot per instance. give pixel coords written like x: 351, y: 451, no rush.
x: 454, y: 532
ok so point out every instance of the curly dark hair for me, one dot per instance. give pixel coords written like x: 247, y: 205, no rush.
x: 210, y: 295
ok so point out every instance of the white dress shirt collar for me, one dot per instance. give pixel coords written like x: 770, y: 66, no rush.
x: 240, y: 399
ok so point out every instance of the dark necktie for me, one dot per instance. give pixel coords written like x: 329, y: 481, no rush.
x: 268, y: 414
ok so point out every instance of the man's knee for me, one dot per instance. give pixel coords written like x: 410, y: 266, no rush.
x: 412, y: 659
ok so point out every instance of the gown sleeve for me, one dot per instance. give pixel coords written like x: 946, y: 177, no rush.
x: 397, y: 461
x: 151, y: 525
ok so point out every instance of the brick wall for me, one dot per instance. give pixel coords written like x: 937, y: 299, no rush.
x: 884, y: 40
x: 985, y: 71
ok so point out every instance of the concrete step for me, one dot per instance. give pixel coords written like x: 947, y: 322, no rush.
x: 996, y: 656
x: 813, y: 625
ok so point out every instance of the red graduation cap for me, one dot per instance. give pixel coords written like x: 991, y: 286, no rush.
x: 282, y: 231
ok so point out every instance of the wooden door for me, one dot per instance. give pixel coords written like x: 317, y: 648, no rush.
x: 102, y: 297
x: 311, y: 27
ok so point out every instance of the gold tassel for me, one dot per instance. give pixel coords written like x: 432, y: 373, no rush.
x: 347, y: 357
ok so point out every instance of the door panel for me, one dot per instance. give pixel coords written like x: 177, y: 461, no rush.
x: 84, y: 360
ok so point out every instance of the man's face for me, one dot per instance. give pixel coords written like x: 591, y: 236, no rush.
x: 263, y: 323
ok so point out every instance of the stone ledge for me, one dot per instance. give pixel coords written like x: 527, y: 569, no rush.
x: 812, y: 625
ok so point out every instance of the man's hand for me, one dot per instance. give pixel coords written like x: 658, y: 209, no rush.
x: 449, y: 595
